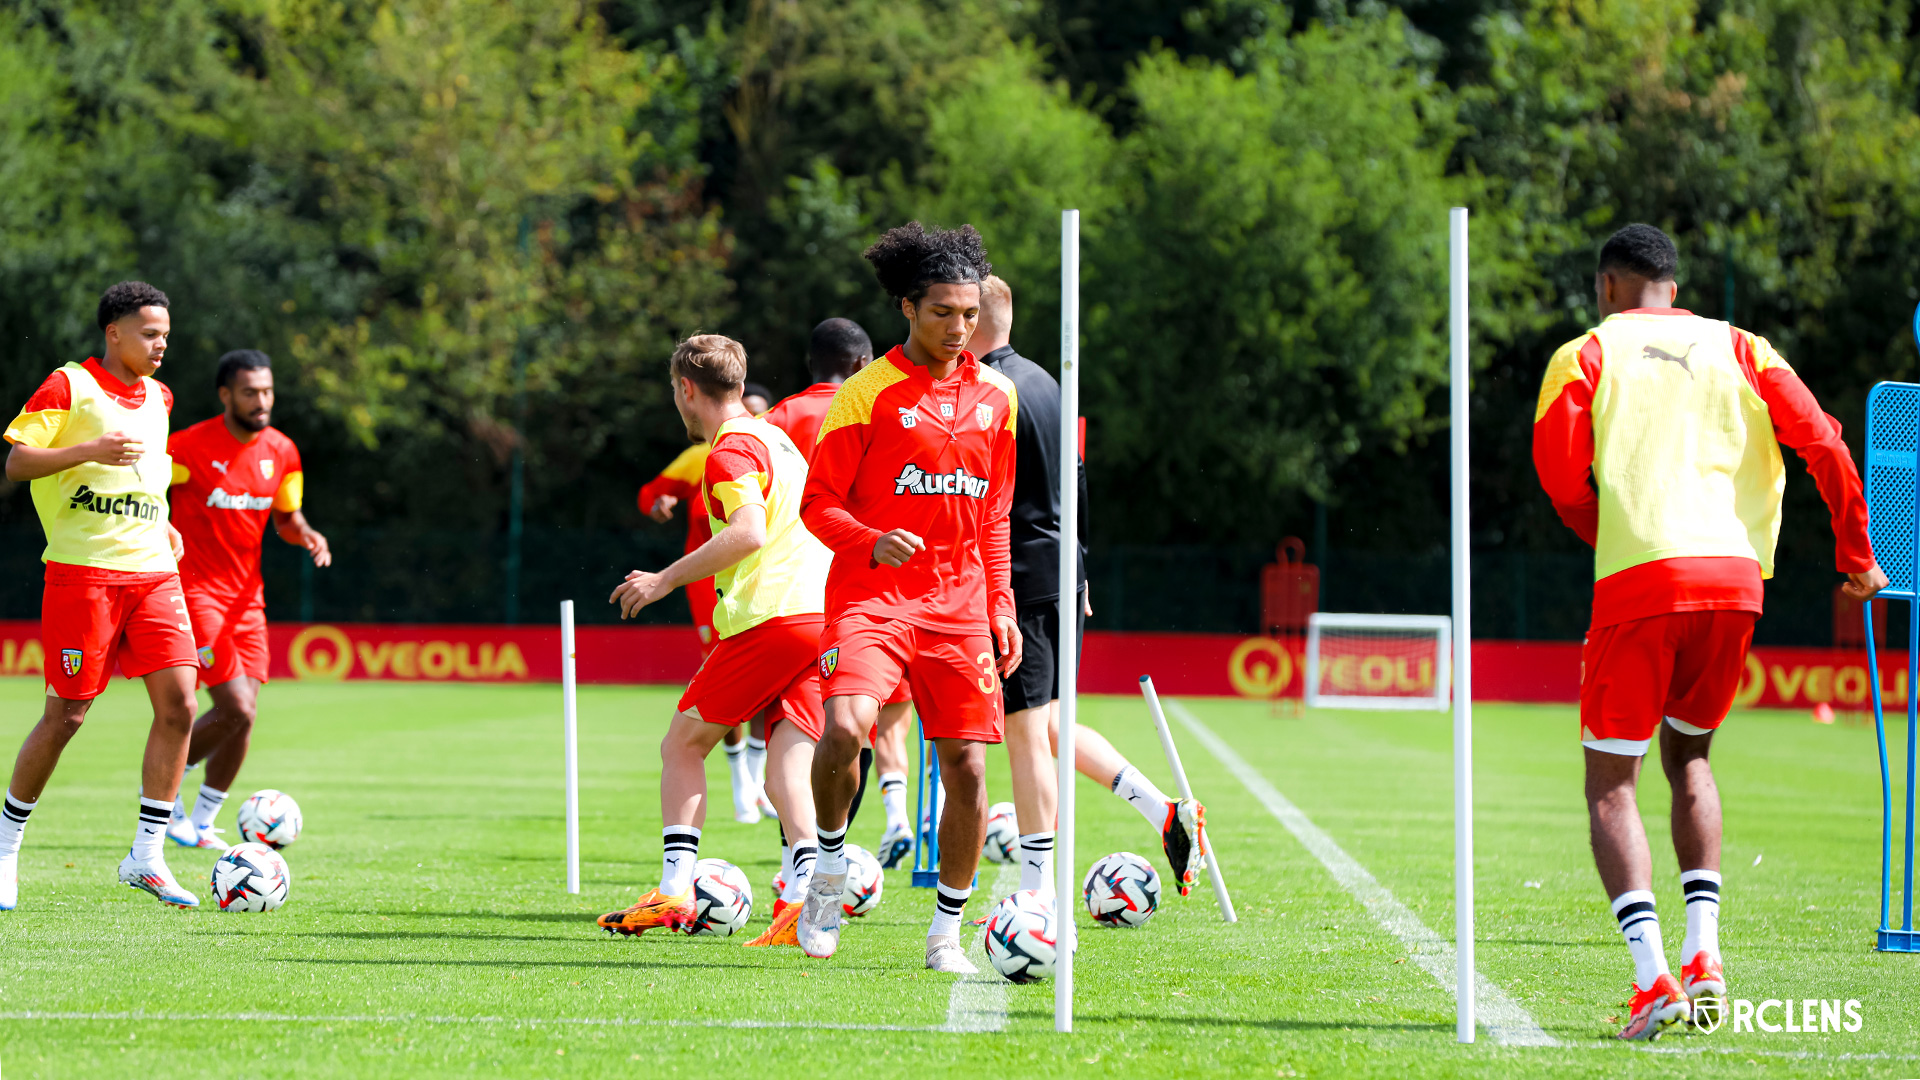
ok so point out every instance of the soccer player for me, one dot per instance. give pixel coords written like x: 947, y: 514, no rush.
x: 92, y: 443
x: 911, y: 482
x: 1032, y: 694
x: 1656, y: 438
x: 231, y: 475
x: 771, y: 577
x: 836, y: 351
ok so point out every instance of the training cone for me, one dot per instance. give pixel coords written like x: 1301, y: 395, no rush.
x: 1823, y: 713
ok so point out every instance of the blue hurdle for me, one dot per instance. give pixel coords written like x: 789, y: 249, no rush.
x: 926, y: 853
x: 1893, y: 503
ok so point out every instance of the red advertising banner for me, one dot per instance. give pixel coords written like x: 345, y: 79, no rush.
x: 1222, y: 665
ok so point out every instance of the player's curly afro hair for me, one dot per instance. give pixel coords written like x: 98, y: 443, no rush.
x: 910, y: 259
x: 124, y: 299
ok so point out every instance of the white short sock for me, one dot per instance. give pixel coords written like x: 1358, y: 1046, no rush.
x: 757, y: 760
x: 948, y: 904
x: 1640, y: 925
x: 1140, y: 793
x: 1036, y: 861
x: 802, y: 862
x: 742, y: 775
x: 893, y: 797
x: 679, y: 850
x: 833, y: 851
x: 152, y: 826
x: 1703, y: 914
x: 13, y: 824
x: 207, y: 806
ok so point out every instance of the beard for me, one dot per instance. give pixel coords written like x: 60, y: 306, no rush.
x: 253, y: 423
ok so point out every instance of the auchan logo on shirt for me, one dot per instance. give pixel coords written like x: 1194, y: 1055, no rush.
x: 220, y: 498
x: 124, y: 505
x: 913, y: 480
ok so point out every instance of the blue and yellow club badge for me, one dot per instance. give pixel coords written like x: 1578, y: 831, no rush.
x: 829, y: 660
x: 206, y: 656
x: 70, y: 662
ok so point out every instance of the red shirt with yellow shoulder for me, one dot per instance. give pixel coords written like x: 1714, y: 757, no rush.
x: 224, y: 494
x: 899, y: 450
x: 38, y: 424
x: 802, y: 415
x: 1563, y: 453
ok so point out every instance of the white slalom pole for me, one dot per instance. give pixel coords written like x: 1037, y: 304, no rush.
x: 1214, y: 874
x: 1068, y: 649
x: 570, y: 733
x: 1462, y: 643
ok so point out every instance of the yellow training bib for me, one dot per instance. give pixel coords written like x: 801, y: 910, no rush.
x: 787, y: 576
x: 109, y: 516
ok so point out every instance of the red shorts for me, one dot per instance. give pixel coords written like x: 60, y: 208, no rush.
x: 902, y: 694
x: 770, y: 668
x: 86, y: 628
x: 232, y: 638
x: 1685, y: 667
x: 702, y: 599
x: 951, y: 676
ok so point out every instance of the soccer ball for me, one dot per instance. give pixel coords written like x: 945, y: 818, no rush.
x: 722, y: 899
x: 1003, y: 834
x: 1021, y: 937
x: 250, y: 877
x: 865, y: 882
x: 1122, y: 889
x: 270, y: 817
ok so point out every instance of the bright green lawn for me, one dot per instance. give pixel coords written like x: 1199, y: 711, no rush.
x: 429, y: 885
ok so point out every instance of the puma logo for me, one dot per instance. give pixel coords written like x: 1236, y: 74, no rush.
x: 1655, y: 352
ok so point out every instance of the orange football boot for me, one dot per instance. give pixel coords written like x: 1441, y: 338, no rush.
x: 780, y: 905
x: 654, y: 910
x: 1705, y: 984
x: 782, y: 932
x: 1656, y: 1009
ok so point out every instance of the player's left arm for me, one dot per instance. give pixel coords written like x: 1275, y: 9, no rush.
x: 1799, y: 422
x: 737, y: 477
x: 288, y: 520
x: 1563, y: 435
x: 996, y: 548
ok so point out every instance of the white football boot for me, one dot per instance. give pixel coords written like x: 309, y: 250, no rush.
x: 765, y: 806
x: 895, y: 844
x: 153, y: 876
x: 945, y: 954
x: 184, y: 832
x: 9, y: 881
x: 819, y: 925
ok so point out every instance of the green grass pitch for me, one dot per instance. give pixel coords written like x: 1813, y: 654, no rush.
x: 429, y: 932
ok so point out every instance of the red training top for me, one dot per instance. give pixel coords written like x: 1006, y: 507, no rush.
x: 901, y: 451
x: 1563, y: 456
x: 224, y: 493
x: 801, y: 415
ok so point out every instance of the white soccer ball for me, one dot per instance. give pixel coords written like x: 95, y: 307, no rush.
x: 722, y: 899
x: 270, y: 817
x: 1022, y: 938
x: 1122, y: 889
x: 865, y: 882
x: 250, y: 877
x: 1002, y: 844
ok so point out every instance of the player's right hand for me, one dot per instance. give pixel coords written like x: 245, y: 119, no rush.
x: 663, y: 508
x: 115, y: 448
x: 896, y: 546
x: 1863, y: 586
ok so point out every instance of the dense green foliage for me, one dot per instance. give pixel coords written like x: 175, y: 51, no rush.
x: 467, y: 228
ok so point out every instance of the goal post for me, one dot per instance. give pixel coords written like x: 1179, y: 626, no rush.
x: 1379, y: 661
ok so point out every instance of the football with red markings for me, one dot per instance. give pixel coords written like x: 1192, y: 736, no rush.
x: 865, y: 882
x: 1121, y: 889
x: 1002, y: 844
x: 250, y: 877
x: 1022, y: 937
x: 270, y: 817
x: 722, y: 899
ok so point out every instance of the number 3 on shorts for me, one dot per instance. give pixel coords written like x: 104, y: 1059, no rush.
x: 986, y: 681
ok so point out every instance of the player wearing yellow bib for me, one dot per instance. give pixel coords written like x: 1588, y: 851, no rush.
x: 770, y: 575
x: 92, y: 442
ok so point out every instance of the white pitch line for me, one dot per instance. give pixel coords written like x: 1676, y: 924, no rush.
x: 1507, y: 1022
x: 515, y: 1021
x: 978, y: 1003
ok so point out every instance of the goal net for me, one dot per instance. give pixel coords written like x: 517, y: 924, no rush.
x: 1379, y: 661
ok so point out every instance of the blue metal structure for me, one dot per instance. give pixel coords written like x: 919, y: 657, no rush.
x: 1893, y: 503
x: 926, y: 853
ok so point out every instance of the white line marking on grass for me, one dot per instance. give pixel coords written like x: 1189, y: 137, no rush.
x: 1506, y: 1021
x: 978, y: 1003
x: 516, y: 1021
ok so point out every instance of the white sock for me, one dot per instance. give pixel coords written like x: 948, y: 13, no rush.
x: 1036, y: 861
x: 153, y: 825
x: 1703, y: 914
x: 757, y: 760
x: 948, y: 905
x: 13, y: 824
x: 801, y: 865
x: 207, y: 805
x: 1640, y: 925
x: 679, y: 849
x: 742, y: 774
x: 893, y: 797
x: 1140, y: 793
x: 833, y: 855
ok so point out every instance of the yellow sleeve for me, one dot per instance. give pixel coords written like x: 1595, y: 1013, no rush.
x: 689, y: 467
x: 1765, y: 356
x: 744, y: 491
x: 37, y: 429
x: 292, y: 488
x: 181, y: 474
x: 1563, y: 369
